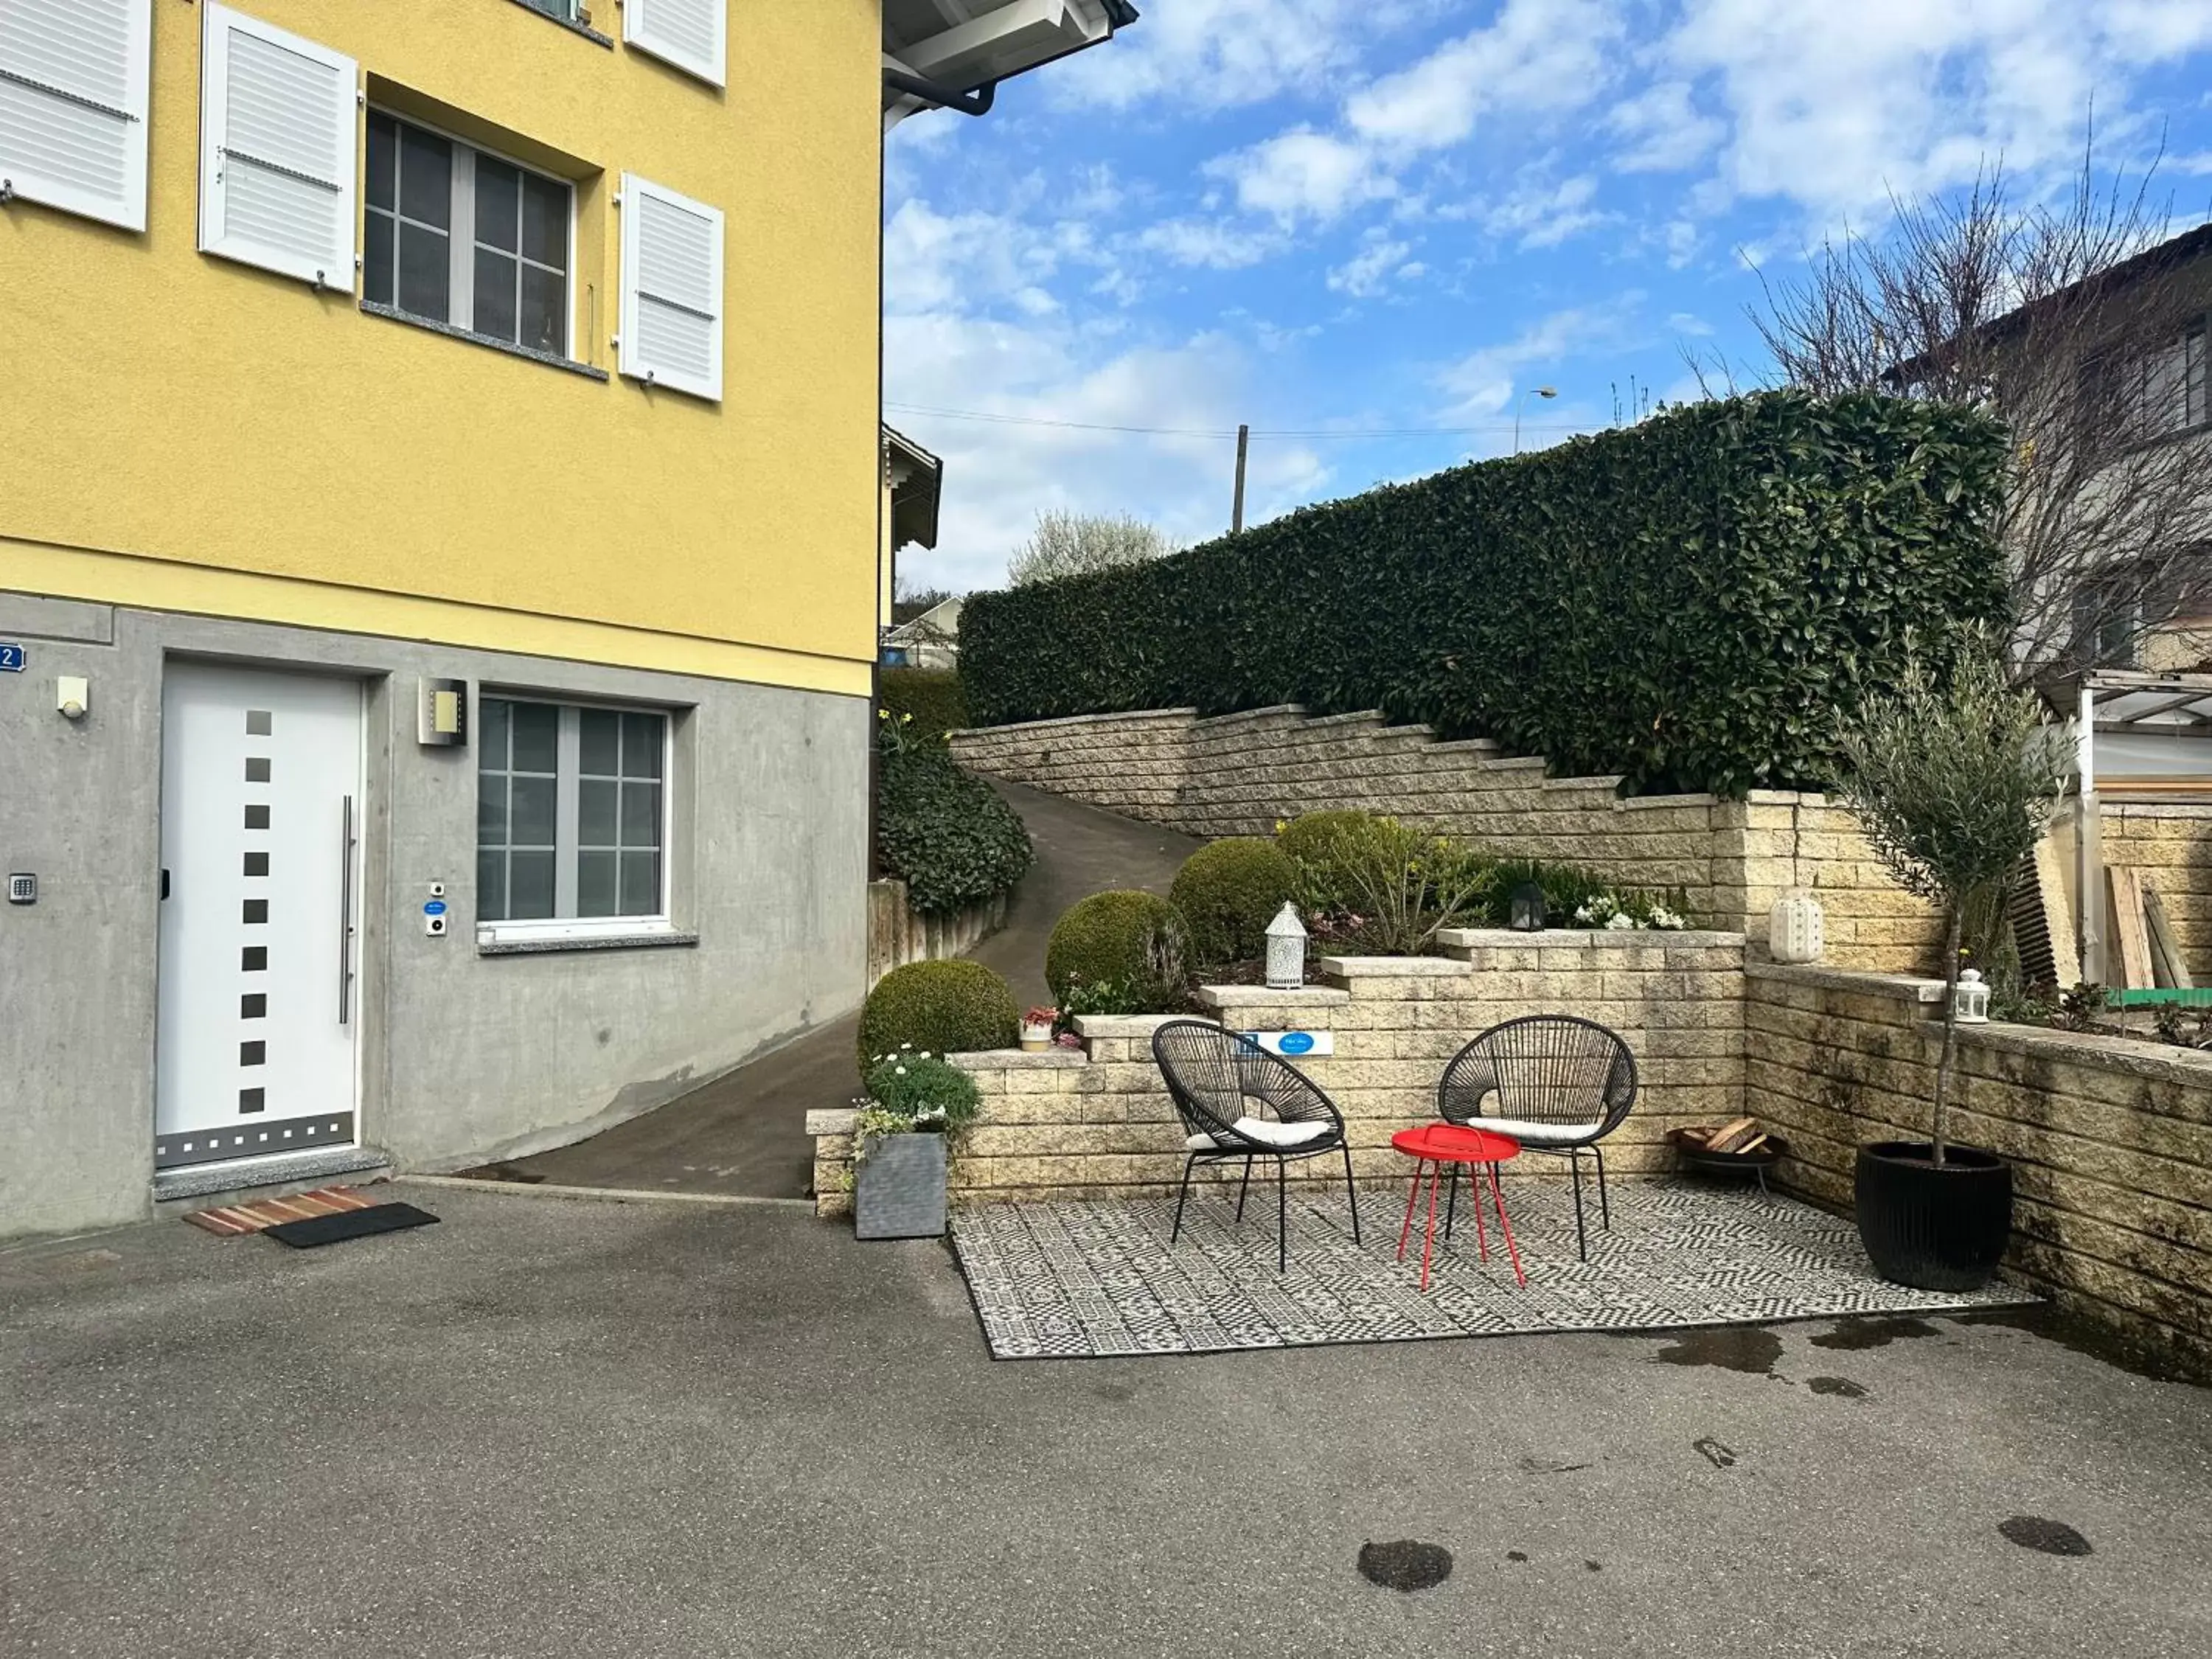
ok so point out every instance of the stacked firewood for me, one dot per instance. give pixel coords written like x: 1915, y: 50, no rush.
x: 1739, y: 1136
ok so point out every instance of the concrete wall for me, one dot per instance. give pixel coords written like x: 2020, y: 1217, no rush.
x: 1065, y: 1122
x: 466, y: 1055
x: 2110, y: 1137
x: 1243, y: 774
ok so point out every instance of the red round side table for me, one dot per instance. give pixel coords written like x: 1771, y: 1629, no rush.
x: 1433, y: 1145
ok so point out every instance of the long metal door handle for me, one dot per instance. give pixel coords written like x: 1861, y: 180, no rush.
x: 345, y: 914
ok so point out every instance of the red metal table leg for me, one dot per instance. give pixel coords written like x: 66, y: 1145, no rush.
x: 1481, y: 1238
x: 1429, y: 1244
x: 1498, y: 1197
x: 1412, y: 1195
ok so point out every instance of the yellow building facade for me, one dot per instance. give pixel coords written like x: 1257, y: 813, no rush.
x: 190, y: 432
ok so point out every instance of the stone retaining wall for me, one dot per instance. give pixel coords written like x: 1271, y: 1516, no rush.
x: 898, y: 933
x: 1098, y: 1120
x: 2110, y: 1137
x: 1243, y: 774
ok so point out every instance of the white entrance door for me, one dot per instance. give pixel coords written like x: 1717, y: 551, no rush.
x: 260, y: 851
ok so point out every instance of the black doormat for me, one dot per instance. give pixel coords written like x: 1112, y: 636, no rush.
x: 348, y: 1223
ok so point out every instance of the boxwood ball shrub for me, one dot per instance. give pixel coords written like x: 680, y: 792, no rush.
x: 1131, y: 942
x: 1227, y: 892
x: 1692, y: 602
x: 948, y: 1008
x: 948, y: 835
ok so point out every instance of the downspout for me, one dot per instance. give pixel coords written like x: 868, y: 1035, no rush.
x: 975, y: 101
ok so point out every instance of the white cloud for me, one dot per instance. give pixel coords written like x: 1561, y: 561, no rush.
x: 1536, y: 58
x: 1485, y: 383
x: 1217, y: 244
x: 1834, y: 108
x: 1664, y: 130
x: 1544, y: 214
x: 1369, y: 272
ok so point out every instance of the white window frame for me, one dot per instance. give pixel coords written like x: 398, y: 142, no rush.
x: 637, y: 34
x: 337, y: 271
x: 630, y: 361
x: 131, y: 211
x: 461, y: 261
x: 553, y: 929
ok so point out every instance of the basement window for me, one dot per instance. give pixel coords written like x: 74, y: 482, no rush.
x: 467, y: 240
x: 571, y: 820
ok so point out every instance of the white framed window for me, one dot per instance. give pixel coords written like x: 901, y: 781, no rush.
x: 276, y: 149
x: 459, y: 235
x: 73, y: 78
x: 691, y: 34
x: 672, y: 289
x: 571, y: 817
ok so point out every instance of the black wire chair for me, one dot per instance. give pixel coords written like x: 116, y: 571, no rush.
x: 1557, y: 1084
x: 1218, y: 1078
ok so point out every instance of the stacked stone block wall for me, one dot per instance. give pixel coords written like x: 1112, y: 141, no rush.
x: 1243, y: 774
x: 1099, y: 1120
x: 2110, y: 1137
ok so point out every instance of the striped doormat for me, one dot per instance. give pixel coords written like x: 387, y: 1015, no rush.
x: 265, y: 1212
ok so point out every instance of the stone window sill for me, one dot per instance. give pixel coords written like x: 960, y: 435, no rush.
x: 551, y: 359
x: 639, y: 941
x: 569, y: 24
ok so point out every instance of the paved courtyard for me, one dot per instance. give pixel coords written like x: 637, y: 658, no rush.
x: 552, y: 1426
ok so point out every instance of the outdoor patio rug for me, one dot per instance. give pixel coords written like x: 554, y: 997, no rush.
x: 1085, y: 1279
x: 263, y: 1213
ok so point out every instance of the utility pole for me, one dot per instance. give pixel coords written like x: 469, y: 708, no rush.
x: 1236, y: 512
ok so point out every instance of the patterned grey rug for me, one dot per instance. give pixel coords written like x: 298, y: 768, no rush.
x: 1085, y: 1280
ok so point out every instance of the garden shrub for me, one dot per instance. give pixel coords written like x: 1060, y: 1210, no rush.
x: 1322, y: 848
x: 1227, y: 892
x: 948, y: 1008
x: 931, y: 695
x: 948, y: 835
x: 1690, y: 601
x: 1404, y: 884
x: 1120, y: 952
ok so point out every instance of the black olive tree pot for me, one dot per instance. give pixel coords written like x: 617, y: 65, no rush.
x: 1933, y: 1227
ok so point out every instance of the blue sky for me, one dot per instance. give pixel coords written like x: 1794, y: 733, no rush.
x: 1389, y: 216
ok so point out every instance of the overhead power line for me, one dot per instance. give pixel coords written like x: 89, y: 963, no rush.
x: 991, y: 419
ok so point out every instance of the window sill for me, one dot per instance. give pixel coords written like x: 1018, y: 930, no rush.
x: 521, y: 944
x: 551, y: 359
x: 571, y: 25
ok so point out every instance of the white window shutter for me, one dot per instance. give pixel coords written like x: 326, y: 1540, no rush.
x: 277, y: 134
x: 73, y: 102
x: 692, y: 34
x: 672, y: 288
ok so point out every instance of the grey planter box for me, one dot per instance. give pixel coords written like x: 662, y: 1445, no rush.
x: 898, y: 1190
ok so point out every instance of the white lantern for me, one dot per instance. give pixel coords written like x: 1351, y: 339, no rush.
x: 1794, y: 927
x: 1969, y: 1003
x: 1287, y: 949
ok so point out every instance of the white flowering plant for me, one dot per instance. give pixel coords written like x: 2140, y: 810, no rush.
x: 913, y: 1091
x: 1614, y: 913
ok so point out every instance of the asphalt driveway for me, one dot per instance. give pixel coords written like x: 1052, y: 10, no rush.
x: 550, y: 1426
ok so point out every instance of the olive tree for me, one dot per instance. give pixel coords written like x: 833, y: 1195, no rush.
x: 1953, y: 784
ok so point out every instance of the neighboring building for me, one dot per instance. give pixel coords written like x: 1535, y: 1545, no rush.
x: 929, y: 640
x: 439, y: 566
x: 913, y: 485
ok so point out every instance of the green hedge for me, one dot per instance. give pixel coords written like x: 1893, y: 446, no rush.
x: 1227, y: 892
x: 1688, y: 602
x: 931, y: 695
x: 948, y: 835
x: 1117, y: 952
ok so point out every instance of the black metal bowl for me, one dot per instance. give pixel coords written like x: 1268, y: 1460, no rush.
x: 1697, y: 1158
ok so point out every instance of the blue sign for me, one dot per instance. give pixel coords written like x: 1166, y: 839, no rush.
x: 11, y: 659
x: 1296, y: 1042
x: 434, y: 907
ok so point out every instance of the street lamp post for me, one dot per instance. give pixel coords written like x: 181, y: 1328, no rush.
x: 1532, y: 391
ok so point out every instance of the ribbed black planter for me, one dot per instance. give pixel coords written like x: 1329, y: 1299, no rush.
x: 1933, y: 1228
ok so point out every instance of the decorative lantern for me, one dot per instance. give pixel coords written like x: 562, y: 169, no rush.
x: 1969, y: 1003
x: 1795, y: 931
x: 1287, y: 949
x: 1525, y: 909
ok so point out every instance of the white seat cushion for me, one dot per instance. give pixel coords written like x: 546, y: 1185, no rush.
x: 1266, y: 1131
x: 1536, y: 1134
